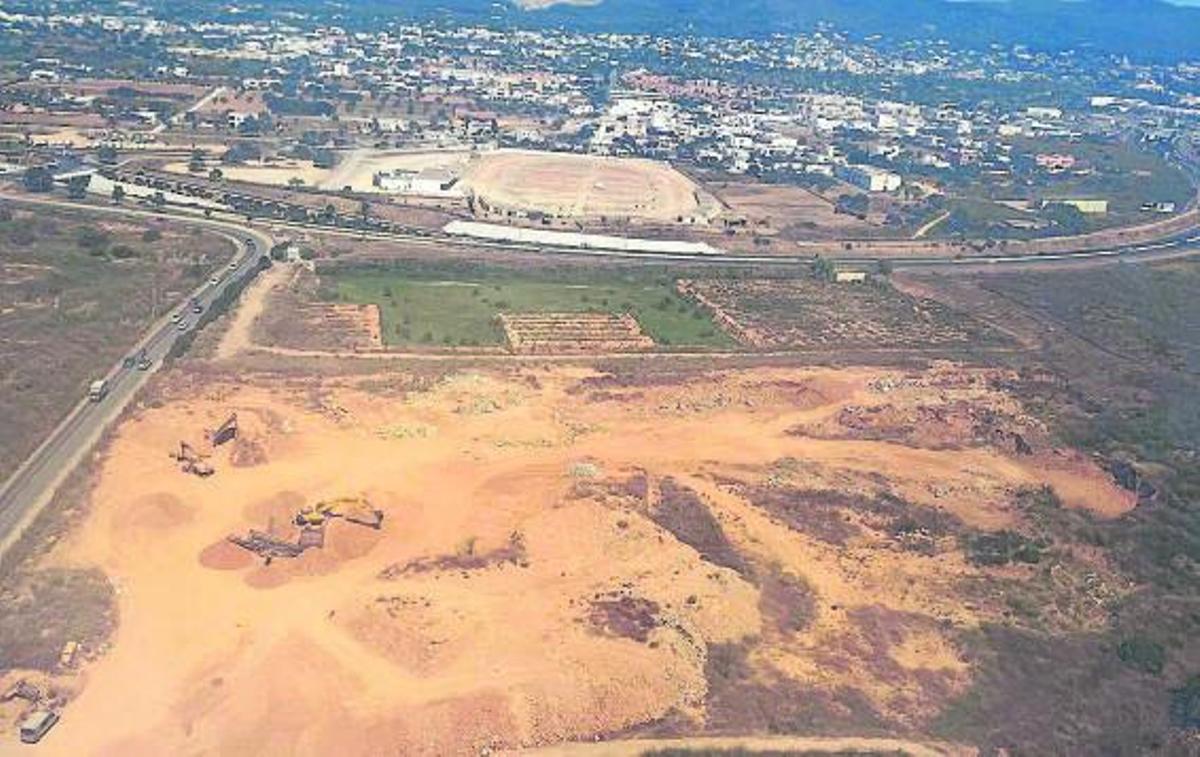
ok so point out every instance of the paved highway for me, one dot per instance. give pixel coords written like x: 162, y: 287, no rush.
x: 1182, y: 244
x: 32, y: 486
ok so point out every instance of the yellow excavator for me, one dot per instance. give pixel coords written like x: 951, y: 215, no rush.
x: 352, y: 509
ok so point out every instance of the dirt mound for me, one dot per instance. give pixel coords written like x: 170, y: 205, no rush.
x: 247, y: 453
x: 281, y: 507
x: 155, y: 512
x: 512, y: 553
x: 225, y: 555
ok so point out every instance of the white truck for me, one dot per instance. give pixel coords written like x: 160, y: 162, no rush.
x: 34, y: 727
x: 97, y: 390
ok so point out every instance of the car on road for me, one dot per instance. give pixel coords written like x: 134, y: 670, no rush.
x: 175, y: 317
x: 143, y: 363
x: 197, y: 308
x: 182, y: 325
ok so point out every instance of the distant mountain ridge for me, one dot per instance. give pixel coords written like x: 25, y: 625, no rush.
x: 1145, y: 29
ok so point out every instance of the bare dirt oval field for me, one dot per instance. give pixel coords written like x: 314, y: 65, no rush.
x: 564, y: 554
x: 581, y: 186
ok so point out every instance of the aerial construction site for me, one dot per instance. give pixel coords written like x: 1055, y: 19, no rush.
x: 458, y: 560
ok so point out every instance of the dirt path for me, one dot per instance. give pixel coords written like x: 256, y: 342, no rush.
x: 840, y: 745
x: 931, y: 225
x: 343, y: 173
x: 238, y: 337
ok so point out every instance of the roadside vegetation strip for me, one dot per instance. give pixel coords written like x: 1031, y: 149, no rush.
x: 220, y: 305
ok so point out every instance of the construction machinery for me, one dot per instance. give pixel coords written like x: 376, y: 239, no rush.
x: 311, y: 522
x: 23, y: 689
x: 351, y: 509
x: 269, y: 546
x: 191, y: 461
x: 226, y: 432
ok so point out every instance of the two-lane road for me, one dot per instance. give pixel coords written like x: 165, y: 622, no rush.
x: 32, y: 486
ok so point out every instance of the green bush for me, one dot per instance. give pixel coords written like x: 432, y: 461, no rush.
x: 1003, y: 547
x: 1143, y: 654
x: 92, y: 239
x: 1185, y: 704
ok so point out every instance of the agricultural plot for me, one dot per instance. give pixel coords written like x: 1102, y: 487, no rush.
x: 550, y: 333
x: 356, y: 325
x: 420, y: 308
x: 809, y: 314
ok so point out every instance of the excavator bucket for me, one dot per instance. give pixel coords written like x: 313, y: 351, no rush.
x: 370, y: 519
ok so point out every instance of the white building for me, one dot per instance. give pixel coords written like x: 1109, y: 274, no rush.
x: 869, y: 178
x: 428, y: 182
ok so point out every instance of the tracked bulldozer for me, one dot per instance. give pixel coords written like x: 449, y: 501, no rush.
x: 355, y: 510
x: 191, y: 461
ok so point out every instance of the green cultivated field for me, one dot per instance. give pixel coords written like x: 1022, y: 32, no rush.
x: 417, y: 307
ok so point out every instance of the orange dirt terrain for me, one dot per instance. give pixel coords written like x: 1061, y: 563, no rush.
x: 566, y: 554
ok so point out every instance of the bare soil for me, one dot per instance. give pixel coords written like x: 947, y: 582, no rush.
x: 566, y: 554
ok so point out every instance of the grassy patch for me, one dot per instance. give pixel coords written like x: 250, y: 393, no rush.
x: 46, y: 609
x: 422, y: 307
x: 1126, y: 351
x: 1002, y: 548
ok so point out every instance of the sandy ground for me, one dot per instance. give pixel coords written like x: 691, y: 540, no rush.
x: 779, y: 208
x: 499, y: 604
x: 357, y: 169
x: 238, y: 338
x: 581, y: 186
x: 275, y: 173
